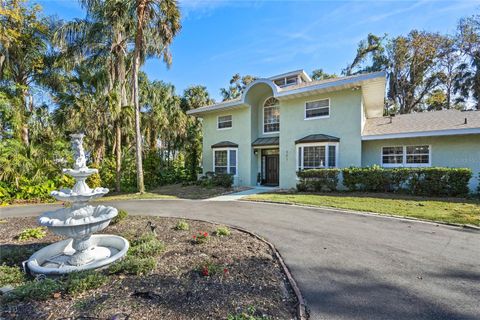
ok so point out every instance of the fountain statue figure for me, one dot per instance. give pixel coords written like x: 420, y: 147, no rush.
x: 82, y: 250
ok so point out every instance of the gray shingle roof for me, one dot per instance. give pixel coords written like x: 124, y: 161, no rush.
x: 423, y: 122
x: 225, y: 144
x: 273, y: 141
x: 318, y: 138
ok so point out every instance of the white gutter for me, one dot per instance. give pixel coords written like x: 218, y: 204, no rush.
x: 450, y: 132
x: 285, y: 92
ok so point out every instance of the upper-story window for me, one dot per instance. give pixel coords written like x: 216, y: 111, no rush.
x: 317, y: 109
x: 287, y: 81
x: 271, y: 116
x: 224, y: 122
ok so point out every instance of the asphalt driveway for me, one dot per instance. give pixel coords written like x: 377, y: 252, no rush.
x: 350, y: 266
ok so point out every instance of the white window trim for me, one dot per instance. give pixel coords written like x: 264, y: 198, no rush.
x: 404, y: 163
x: 263, y: 117
x: 299, y: 162
x: 228, y: 159
x: 319, y: 117
x: 218, y: 122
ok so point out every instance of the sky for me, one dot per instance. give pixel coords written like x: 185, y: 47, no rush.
x: 263, y: 38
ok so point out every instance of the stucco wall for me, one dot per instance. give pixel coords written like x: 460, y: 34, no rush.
x: 447, y: 151
x: 240, y: 133
x: 344, y: 122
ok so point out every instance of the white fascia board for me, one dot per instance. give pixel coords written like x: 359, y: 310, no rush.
x: 339, y: 83
x: 435, y: 133
x: 228, y: 105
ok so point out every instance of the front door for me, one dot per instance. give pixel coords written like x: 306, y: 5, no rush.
x: 271, y: 170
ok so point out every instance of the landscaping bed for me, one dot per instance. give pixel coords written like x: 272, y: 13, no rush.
x: 205, y: 272
x: 447, y: 210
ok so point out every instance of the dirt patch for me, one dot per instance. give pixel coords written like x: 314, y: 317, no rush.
x: 194, y: 191
x: 248, y: 275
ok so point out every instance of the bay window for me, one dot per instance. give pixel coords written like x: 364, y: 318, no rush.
x: 317, y: 156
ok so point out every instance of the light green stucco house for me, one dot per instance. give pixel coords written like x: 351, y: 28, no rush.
x: 288, y: 122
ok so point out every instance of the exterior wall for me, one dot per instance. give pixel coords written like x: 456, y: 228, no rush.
x: 447, y: 151
x: 344, y: 122
x: 240, y: 134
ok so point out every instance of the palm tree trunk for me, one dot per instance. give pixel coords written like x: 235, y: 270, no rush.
x: 136, y: 67
x: 118, y: 156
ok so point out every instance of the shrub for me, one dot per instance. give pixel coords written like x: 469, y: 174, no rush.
x: 209, y: 269
x: 122, y: 215
x: 32, y: 233
x: 222, y: 231
x: 200, y: 237
x: 318, y: 180
x: 415, y: 181
x: 211, y: 179
x: 133, y: 265
x: 78, y: 282
x: 182, y: 225
x: 35, y: 290
x: 10, y: 275
x: 147, y: 245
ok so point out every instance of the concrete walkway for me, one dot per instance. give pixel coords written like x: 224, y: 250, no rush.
x: 349, y: 266
x: 241, y: 194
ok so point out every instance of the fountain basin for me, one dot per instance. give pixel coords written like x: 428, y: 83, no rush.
x: 70, y: 195
x: 75, y: 223
x: 53, y: 259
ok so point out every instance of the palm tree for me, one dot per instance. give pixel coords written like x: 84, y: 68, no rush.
x: 157, y: 23
x: 105, y: 33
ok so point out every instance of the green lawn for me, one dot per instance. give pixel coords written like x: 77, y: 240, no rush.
x: 460, y: 211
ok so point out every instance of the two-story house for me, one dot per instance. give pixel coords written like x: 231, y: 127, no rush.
x: 288, y: 122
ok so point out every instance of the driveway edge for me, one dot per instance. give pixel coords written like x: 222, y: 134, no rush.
x: 366, y: 213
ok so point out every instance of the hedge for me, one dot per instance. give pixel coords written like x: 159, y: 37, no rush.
x: 416, y: 181
x: 317, y: 180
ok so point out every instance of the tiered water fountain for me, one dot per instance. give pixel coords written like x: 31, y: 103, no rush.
x: 82, y: 250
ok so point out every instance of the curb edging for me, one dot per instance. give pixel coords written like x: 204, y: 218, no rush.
x: 366, y: 213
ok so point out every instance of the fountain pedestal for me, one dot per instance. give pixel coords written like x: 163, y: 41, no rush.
x: 83, y: 250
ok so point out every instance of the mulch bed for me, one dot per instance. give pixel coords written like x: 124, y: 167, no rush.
x: 176, y: 289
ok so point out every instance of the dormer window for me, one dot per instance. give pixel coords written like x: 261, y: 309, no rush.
x: 271, y: 116
x: 286, y: 81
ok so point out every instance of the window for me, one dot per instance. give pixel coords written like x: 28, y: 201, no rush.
x: 288, y: 81
x: 392, y: 155
x: 224, y: 122
x: 408, y: 156
x: 225, y: 161
x: 418, y: 154
x: 292, y: 80
x: 317, y: 109
x: 315, y: 156
x: 271, y: 116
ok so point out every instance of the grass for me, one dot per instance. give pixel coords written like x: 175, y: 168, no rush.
x: 10, y: 275
x: 459, y: 211
x: 78, y: 282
